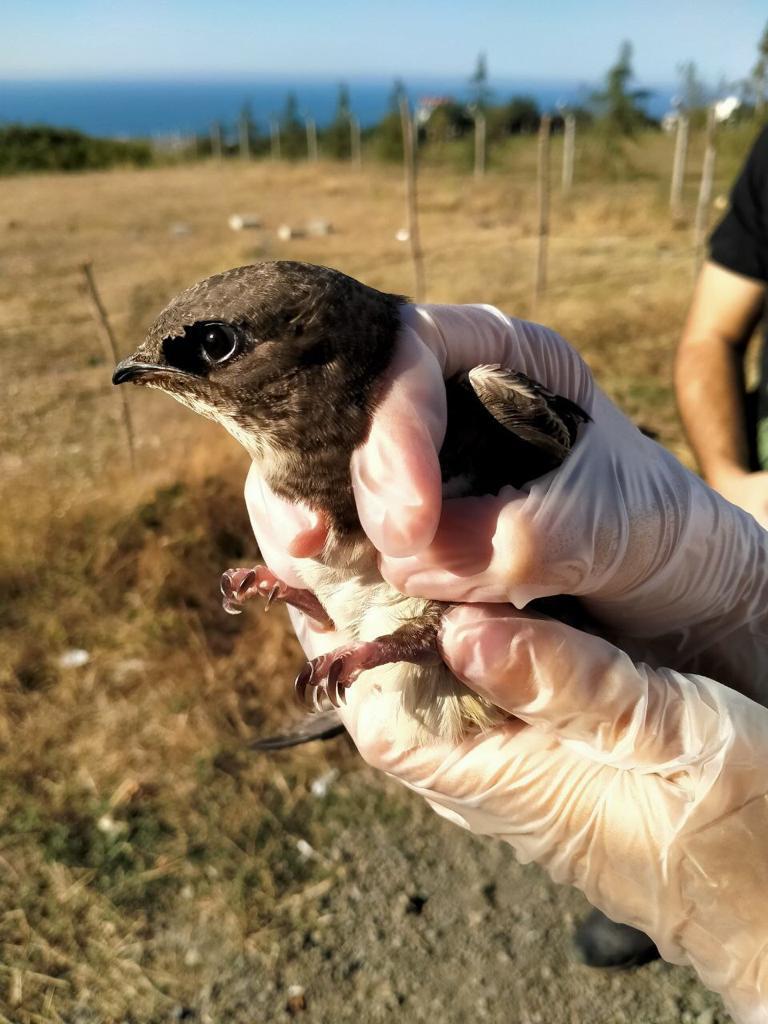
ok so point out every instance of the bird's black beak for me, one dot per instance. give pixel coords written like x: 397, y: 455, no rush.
x: 130, y: 369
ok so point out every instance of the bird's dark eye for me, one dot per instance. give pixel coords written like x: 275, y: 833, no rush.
x: 219, y: 343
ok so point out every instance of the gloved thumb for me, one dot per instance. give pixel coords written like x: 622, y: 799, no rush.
x: 396, y: 472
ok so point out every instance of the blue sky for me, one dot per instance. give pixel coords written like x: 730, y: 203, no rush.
x: 540, y: 39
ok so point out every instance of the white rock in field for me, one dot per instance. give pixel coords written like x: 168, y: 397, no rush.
x: 305, y: 850
x: 244, y: 221
x: 402, y: 235
x: 285, y: 232
x: 109, y: 827
x: 318, y: 228
x: 322, y: 784
x: 74, y: 658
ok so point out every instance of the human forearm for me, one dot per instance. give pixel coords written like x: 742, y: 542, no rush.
x: 709, y: 374
x: 709, y: 381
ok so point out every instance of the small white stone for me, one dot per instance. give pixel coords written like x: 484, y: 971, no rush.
x: 402, y: 235
x: 285, y: 233
x: 305, y: 850
x: 322, y: 784
x: 243, y: 221
x: 319, y: 228
x: 74, y: 658
x: 109, y: 826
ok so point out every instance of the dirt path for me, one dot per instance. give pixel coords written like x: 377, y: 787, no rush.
x: 415, y: 920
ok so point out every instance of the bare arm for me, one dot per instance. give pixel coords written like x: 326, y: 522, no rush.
x: 709, y: 378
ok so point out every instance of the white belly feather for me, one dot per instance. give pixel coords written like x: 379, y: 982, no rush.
x: 362, y: 603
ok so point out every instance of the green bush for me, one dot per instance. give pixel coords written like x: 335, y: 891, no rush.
x: 41, y: 147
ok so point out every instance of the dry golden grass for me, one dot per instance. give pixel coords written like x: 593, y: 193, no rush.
x: 134, y: 820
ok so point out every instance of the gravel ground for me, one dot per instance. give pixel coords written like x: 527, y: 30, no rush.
x: 418, y: 921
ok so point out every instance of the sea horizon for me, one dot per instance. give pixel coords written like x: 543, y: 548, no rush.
x: 153, y: 106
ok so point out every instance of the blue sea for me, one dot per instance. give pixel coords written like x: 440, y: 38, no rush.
x: 125, y: 108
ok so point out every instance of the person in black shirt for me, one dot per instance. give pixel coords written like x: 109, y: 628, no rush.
x: 727, y: 427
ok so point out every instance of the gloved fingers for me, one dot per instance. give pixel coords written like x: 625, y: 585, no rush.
x: 462, y: 337
x: 579, y: 687
x: 513, y: 547
x: 396, y: 472
x: 284, y: 531
x: 477, y: 554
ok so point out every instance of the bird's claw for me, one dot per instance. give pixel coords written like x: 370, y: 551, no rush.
x: 240, y: 585
x: 325, y: 679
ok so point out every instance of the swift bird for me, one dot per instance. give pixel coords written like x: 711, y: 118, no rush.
x: 290, y: 358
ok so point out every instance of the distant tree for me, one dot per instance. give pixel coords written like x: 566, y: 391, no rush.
x: 246, y: 122
x: 479, y: 91
x: 694, y: 95
x: 448, y: 121
x: 760, y: 74
x: 519, y: 115
x: 336, y: 138
x: 387, y: 137
x: 618, y: 106
x: 293, y: 136
x: 693, y: 91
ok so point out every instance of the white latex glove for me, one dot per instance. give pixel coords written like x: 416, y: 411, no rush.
x: 654, y: 552
x: 645, y: 789
x: 663, y: 560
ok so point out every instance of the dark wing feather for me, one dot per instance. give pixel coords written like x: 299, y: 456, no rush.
x: 323, y: 726
x: 503, y: 428
x: 528, y: 409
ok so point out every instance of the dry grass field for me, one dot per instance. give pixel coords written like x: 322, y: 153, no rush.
x: 151, y: 867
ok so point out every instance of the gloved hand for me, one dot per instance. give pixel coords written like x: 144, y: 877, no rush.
x: 660, y: 559
x: 657, y: 556
x: 668, y: 566
x: 648, y: 790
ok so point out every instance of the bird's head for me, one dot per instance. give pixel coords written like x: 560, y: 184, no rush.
x: 285, y: 355
x: 289, y: 358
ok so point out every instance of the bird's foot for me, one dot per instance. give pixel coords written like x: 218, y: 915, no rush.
x: 327, y: 677
x: 241, y: 585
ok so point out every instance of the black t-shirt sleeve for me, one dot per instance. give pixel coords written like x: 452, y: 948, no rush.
x: 740, y: 241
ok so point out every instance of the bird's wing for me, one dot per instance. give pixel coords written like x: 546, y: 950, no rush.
x: 528, y: 409
x: 322, y: 726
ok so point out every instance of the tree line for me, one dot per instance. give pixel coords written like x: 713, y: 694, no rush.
x: 614, y: 113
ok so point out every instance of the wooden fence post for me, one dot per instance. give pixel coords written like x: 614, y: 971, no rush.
x: 216, y: 147
x: 543, y: 184
x: 678, y: 166
x: 355, y: 146
x: 705, y: 191
x: 311, y: 140
x: 480, y: 144
x: 274, y: 139
x: 104, y: 330
x: 569, y: 147
x: 409, y: 163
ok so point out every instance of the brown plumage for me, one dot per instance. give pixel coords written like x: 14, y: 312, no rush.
x: 290, y: 357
